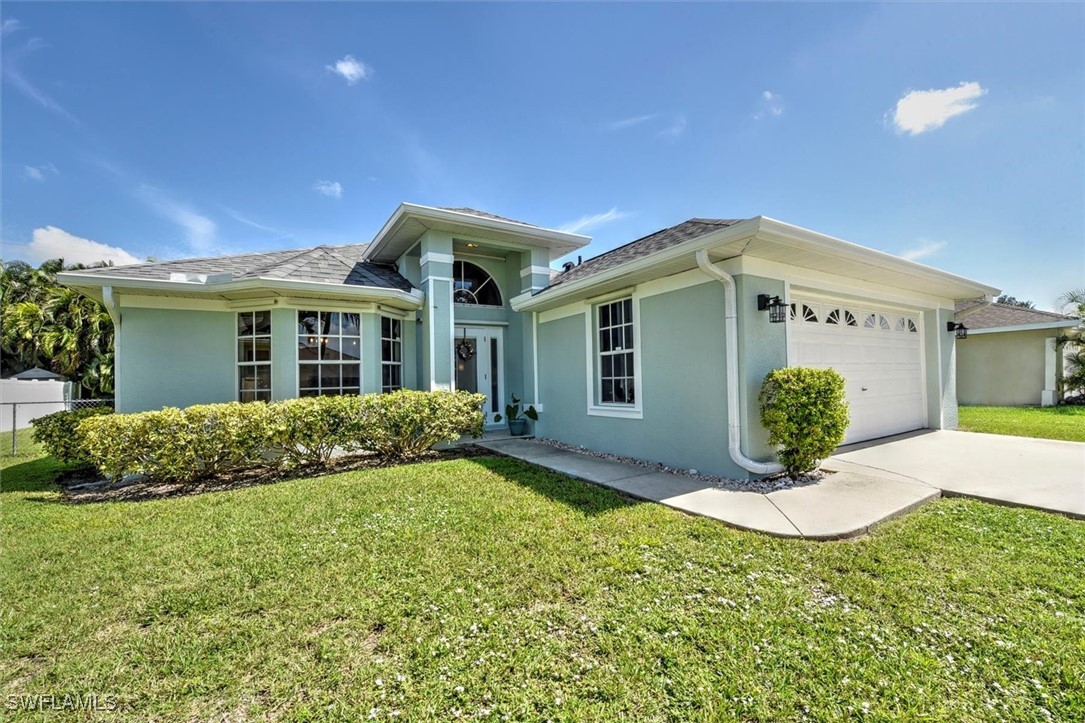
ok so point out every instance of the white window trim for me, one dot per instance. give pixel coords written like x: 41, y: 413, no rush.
x: 398, y: 340
x: 599, y: 409
x: 297, y: 349
x: 270, y: 362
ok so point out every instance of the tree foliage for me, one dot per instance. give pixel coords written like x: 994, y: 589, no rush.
x: 1072, y: 343
x: 1007, y: 300
x: 44, y: 324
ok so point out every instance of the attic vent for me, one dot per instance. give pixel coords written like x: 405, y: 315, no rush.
x: 201, y: 278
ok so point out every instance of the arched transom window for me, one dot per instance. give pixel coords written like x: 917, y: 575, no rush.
x: 472, y: 285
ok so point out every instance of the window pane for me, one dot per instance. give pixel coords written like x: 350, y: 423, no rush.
x: 350, y: 390
x: 604, y: 316
x: 629, y: 364
x: 351, y: 374
x: 617, y: 340
x: 264, y: 396
x: 308, y: 348
x: 329, y: 322
x: 386, y: 350
x: 397, y: 352
x: 308, y: 323
x: 616, y: 314
x: 629, y: 337
x: 245, y: 350
x: 619, y: 391
x: 607, y: 366
x: 262, y: 348
x: 386, y: 375
x: 329, y: 376
x: 396, y: 379
x: 308, y: 376
x: 309, y: 392
x: 262, y: 322
x: 351, y: 348
x: 395, y: 328
x: 246, y: 378
x: 330, y: 348
x: 619, y: 365
x: 628, y: 306
x: 607, y: 390
x: 386, y: 327
x: 263, y: 376
x: 244, y: 323
x: 248, y: 396
x: 604, y: 340
x: 351, y: 324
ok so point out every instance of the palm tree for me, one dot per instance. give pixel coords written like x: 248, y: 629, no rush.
x: 1072, y: 344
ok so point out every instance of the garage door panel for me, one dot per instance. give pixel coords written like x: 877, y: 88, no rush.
x: 880, y: 359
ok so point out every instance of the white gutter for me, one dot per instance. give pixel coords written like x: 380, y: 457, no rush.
x: 1064, y: 324
x: 730, y: 352
x: 110, y: 304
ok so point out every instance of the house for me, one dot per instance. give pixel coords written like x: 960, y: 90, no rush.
x: 654, y: 350
x: 1009, y: 357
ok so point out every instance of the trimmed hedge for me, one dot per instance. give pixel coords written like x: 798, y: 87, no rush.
x: 56, y: 432
x: 181, y: 445
x: 806, y: 415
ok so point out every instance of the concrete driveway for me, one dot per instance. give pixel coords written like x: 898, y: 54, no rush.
x: 1041, y: 473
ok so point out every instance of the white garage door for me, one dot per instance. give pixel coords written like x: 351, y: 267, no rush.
x: 877, y: 350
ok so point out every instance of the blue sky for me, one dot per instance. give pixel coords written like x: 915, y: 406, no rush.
x: 953, y: 134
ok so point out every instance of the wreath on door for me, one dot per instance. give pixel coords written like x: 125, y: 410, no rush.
x: 464, y: 350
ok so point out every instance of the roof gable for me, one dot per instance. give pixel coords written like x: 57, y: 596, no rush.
x: 1000, y: 315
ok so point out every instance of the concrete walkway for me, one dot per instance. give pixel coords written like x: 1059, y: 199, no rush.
x: 1041, y: 473
x: 846, y: 504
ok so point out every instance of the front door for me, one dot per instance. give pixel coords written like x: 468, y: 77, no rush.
x: 478, y: 354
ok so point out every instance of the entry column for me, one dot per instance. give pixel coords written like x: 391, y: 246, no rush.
x: 437, y: 316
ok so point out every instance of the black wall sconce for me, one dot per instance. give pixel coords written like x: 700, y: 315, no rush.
x: 774, y: 305
x: 959, y: 329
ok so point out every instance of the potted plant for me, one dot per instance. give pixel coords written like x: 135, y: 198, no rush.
x: 517, y: 424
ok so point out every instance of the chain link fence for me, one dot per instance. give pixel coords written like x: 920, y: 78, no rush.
x: 20, y: 414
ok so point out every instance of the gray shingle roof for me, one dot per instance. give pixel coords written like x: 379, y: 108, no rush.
x: 650, y: 244
x: 484, y: 214
x: 329, y: 264
x: 997, y: 315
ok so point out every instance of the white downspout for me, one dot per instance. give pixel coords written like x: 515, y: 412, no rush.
x: 730, y: 352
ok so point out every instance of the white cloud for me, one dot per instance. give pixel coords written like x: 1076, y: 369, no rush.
x: 10, y: 26
x: 38, y: 173
x: 52, y: 243
x: 585, y: 223
x: 351, y: 70
x: 919, y: 111
x: 923, y: 249
x: 331, y: 189
x: 676, y: 129
x: 771, y: 104
x: 630, y: 122
x: 199, y: 230
x: 12, y: 72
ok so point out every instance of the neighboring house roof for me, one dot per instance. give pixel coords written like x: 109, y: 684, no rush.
x: 662, y: 239
x: 325, y: 264
x: 37, y: 374
x: 974, y: 314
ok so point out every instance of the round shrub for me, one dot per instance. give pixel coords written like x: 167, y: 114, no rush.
x: 806, y: 415
x: 57, y: 432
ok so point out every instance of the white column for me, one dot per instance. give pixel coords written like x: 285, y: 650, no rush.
x: 1049, y: 397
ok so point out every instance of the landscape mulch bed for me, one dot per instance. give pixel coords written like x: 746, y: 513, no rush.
x: 84, y: 485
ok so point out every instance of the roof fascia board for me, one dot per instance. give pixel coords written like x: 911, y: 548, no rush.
x: 772, y: 229
x: 563, y: 239
x: 413, y: 297
x: 1063, y: 324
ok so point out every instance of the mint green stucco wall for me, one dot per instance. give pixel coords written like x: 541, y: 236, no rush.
x: 1003, y: 368
x: 172, y: 357
x: 683, y: 384
x: 763, y: 348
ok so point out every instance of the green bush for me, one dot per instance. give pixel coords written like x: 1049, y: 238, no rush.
x: 180, y: 445
x: 56, y: 432
x: 308, y: 430
x: 806, y: 415
x: 406, y: 424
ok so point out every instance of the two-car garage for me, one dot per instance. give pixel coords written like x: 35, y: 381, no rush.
x: 879, y: 352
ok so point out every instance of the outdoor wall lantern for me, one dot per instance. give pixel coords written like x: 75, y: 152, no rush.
x: 959, y: 329
x: 774, y: 305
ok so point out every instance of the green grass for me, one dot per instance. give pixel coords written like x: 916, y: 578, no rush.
x: 1066, y: 423
x: 488, y: 588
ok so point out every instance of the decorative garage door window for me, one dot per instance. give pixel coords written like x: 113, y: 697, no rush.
x: 472, y: 285
x: 829, y: 314
x: 329, y: 353
x: 254, y: 356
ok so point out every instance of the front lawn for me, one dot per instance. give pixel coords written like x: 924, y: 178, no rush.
x: 489, y: 589
x: 1066, y: 423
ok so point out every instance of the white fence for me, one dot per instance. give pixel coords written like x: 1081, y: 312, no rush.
x: 22, y: 400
